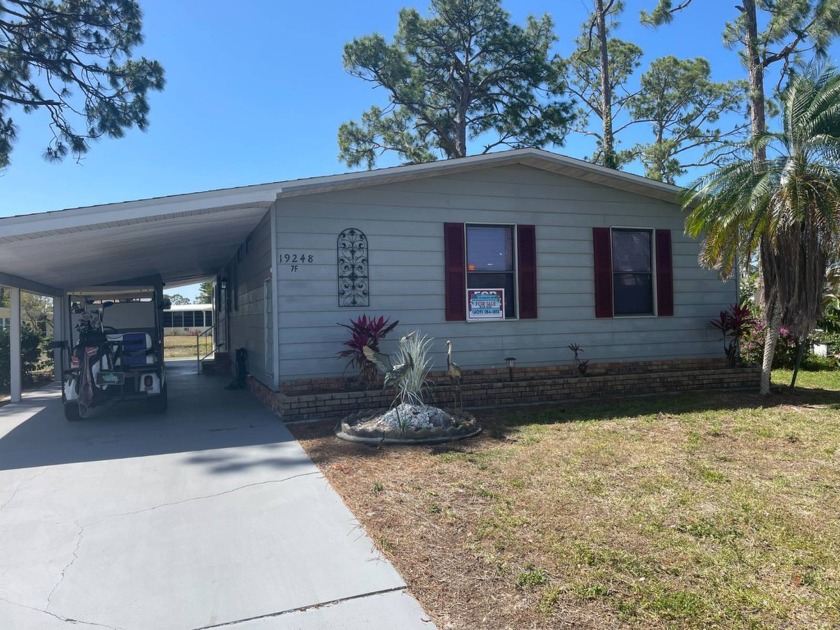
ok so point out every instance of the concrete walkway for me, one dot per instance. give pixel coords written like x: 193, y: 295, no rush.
x: 208, y: 516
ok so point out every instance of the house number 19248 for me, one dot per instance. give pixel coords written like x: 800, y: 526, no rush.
x: 297, y: 259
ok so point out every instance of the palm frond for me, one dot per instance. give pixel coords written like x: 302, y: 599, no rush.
x: 787, y: 207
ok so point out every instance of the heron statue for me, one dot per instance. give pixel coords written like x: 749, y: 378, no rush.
x: 453, y: 371
x: 394, y: 372
x: 405, y: 338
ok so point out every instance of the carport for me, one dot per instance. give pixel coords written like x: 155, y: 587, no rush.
x: 182, y: 238
x: 210, y: 516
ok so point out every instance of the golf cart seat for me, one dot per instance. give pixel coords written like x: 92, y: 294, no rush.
x: 134, y: 350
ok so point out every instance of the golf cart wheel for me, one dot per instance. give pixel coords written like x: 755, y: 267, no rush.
x: 71, y: 411
x: 160, y: 403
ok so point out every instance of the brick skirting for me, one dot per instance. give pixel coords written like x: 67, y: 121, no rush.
x: 336, y: 398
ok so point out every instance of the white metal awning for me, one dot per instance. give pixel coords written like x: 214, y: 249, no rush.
x: 182, y: 238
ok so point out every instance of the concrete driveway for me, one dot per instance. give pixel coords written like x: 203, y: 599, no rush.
x: 208, y: 516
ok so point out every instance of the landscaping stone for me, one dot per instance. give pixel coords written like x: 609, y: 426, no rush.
x: 407, y: 424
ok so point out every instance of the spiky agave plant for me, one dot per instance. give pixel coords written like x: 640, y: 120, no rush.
x: 411, y: 388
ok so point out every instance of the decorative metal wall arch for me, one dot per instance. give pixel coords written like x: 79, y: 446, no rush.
x: 353, y: 281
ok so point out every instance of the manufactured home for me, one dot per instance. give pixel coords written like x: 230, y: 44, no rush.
x: 511, y: 255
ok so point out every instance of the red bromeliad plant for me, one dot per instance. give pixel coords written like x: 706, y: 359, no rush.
x: 734, y: 324
x: 366, y: 331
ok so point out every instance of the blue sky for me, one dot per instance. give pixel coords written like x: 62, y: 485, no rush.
x: 256, y: 94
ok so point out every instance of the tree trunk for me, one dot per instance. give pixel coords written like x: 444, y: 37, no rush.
x: 800, y: 350
x: 758, y: 125
x: 771, y: 336
x: 461, y: 122
x: 607, y: 141
x: 755, y: 68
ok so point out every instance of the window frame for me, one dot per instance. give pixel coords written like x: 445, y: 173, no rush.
x: 664, y: 269
x: 514, y: 273
x: 455, y: 276
x: 653, y: 271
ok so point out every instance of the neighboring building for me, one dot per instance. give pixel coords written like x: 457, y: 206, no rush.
x: 5, y: 317
x: 182, y: 319
x: 585, y: 255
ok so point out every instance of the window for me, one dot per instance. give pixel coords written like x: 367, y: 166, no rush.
x: 632, y: 268
x: 490, y: 257
x: 490, y: 263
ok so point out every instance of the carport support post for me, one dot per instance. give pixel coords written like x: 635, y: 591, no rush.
x: 15, y: 367
x: 58, y: 335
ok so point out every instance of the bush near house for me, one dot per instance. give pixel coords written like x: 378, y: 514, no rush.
x: 752, y: 351
x: 30, y: 342
x: 365, y: 331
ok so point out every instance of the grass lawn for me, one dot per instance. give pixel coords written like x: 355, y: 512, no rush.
x: 702, y: 510
x: 183, y: 346
x: 825, y: 379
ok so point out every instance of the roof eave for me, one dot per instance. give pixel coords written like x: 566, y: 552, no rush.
x: 535, y: 158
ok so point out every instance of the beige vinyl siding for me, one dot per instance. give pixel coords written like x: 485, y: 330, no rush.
x: 246, y: 272
x: 404, y: 226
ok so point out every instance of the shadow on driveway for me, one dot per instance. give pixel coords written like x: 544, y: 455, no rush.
x: 203, y: 417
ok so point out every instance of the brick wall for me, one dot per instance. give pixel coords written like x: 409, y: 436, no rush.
x: 336, y: 398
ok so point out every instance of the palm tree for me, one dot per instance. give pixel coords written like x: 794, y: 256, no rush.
x: 784, y: 206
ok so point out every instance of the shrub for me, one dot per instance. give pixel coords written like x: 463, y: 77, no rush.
x: 813, y: 363
x: 752, y: 347
x: 578, y: 365
x: 735, y: 325
x: 365, y: 331
x: 30, y: 346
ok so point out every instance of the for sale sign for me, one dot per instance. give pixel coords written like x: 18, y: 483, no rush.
x: 485, y: 304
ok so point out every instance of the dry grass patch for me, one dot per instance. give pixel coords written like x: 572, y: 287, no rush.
x: 690, y: 511
x: 183, y: 346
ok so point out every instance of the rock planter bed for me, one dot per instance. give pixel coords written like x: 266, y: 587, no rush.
x: 407, y: 424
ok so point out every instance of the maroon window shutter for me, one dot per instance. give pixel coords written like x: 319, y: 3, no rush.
x: 526, y: 248
x: 455, y: 272
x: 602, y: 246
x: 664, y: 274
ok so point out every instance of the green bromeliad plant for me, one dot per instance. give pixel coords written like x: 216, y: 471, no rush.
x: 412, y: 387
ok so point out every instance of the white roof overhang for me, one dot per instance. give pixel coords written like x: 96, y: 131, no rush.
x: 536, y: 158
x: 181, y: 238
x: 185, y: 238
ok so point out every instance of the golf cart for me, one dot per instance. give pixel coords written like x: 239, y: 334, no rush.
x: 115, y: 350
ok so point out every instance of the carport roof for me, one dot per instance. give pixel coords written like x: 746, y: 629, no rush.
x: 188, y: 237
x: 182, y: 238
